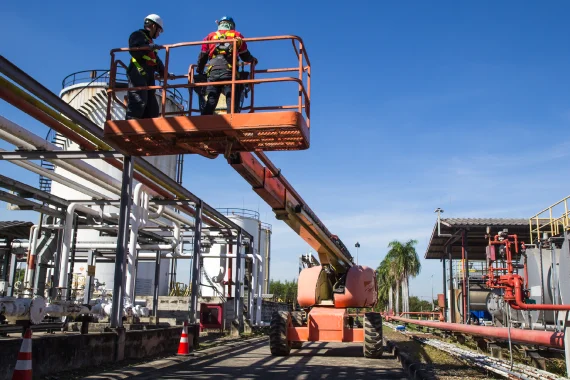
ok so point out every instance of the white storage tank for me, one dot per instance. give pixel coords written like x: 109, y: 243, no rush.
x: 86, y: 92
x: 217, y: 268
x: 265, y: 252
x: 535, y: 281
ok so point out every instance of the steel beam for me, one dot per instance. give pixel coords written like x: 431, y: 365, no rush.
x: 196, y: 263
x: 27, y: 205
x: 60, y: 155
x: 444, y: 287
x: 122, y: 242
x: 156, y: 285
x: 451, y: 293
x: 19, y: 187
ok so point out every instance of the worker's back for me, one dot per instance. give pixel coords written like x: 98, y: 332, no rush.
x: 224, y: 48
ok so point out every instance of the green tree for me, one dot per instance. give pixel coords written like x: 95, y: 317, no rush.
x: 419, y: 305
x: 386, y: 282
x: 405, y: 263
x: 284, y: 291
x: 20, y: 274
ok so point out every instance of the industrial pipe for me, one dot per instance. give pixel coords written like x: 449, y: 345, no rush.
x: 33, y: 309
x: 35, y: 168
x: 112, y: 246
x: 30, y: 269
x: 259, y: 289
x: 155, y: 179
x: 66, y: 309
x: 22, y: 138
x: 518, y: 302
x: 66, y: 243
x: 512, y: 282
x: 424, y: 313
x: 39, y: 111
x: 139, y: 218
x: 536, y: 337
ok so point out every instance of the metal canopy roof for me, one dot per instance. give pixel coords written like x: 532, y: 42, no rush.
x: 476, y: 229
x: 15, y: 230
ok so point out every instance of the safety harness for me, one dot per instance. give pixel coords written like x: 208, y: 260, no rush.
x: 150, y: 59
x: 223, y: 50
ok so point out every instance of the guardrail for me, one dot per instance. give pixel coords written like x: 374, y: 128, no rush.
x: 303, y: 81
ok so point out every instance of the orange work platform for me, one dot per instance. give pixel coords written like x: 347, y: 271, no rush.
x: 265, y: 131
x: 243, y: 126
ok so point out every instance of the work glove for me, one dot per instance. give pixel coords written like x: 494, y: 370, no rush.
x: 254, y: 61
x: 155, y: 47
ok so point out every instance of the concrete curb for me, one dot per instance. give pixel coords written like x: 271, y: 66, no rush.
x: 413, y: 369
x: 141, y: 369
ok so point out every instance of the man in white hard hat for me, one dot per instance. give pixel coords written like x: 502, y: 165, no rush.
x: 142, y: 104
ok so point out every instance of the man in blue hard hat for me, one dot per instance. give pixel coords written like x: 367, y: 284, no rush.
x: 219, y: 59
x: 144, y: 64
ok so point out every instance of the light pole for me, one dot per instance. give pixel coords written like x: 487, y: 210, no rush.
x: 357, y: 245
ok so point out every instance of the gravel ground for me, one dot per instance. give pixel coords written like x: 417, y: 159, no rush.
x: 553, y: 364
x: 440, y: 364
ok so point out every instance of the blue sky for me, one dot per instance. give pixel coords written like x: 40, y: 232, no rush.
x: 415, y: 105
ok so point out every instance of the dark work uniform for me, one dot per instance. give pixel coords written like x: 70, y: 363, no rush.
x: 220, y: 69
x: 142, y: 104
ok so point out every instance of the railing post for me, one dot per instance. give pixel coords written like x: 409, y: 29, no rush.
x: 308, y: 100
x: 191, y: 89
x: 252, y: 87
x: 111, y: 89
x: 301, y: 77
x: 565, y: 214
x: 234, y: 71
x: 165, y: 81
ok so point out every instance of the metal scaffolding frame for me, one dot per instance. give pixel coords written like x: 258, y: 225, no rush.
x: 21, y: 90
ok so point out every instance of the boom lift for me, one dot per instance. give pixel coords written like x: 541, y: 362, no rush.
x: 325, y: 291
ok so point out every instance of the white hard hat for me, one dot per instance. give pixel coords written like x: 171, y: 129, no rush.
x: 156, y: 19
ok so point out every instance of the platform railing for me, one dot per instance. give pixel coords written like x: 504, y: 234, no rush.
x: 304, y: 84
x: 547, y: 220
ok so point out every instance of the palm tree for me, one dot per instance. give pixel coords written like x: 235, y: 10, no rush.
x: 405, y: 263
x: 385, y: 284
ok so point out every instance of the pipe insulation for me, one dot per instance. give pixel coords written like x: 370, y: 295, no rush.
x: 24, y: 139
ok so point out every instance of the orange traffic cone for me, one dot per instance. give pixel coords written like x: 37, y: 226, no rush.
x: 23, y: 370
x: 183, y: 347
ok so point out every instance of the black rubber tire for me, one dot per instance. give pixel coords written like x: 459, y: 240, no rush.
x: 373, y: 344
x: 297, y: 318
x: 278, y: 343
x: 296, y: 345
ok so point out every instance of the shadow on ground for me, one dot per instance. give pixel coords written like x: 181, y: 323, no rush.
x: 313, y: 361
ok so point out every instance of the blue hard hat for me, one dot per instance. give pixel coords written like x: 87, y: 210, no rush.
x: 227, y: 19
